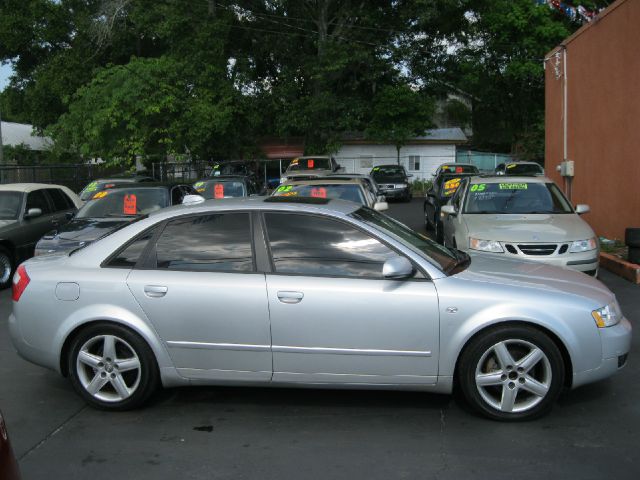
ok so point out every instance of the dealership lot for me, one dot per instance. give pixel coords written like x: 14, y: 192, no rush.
x: 244, y: 433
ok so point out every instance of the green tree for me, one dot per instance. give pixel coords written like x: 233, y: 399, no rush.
x: 399, y: 114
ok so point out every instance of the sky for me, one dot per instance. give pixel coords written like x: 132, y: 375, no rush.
x: 5, y: 72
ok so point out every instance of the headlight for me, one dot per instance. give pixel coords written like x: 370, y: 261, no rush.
x: 583, y: 245
x: 607, y: 316
x: 401, y: 185
x: 485, y: 245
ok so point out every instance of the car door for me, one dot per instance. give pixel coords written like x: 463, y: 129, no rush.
x: 334, y: 318
x: 200, y: 289
x: 33, y: 228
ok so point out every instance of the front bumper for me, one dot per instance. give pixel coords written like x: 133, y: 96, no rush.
x: 616, y: 343
x: 586, y: 262
x: 395, y: 193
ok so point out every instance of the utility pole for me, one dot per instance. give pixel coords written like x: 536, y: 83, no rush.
x: 1, y: 145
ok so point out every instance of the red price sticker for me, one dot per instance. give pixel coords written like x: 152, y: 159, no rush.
x: 218, y: 190
x: 130, y: 204
x: 458, y: 169
x: 319, y: 192
x: 310, y: 163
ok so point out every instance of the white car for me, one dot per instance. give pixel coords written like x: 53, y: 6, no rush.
x: 524, y: 218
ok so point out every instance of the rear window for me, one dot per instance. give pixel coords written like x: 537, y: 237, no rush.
x: 350, y: 192
x: 459, y: 169
x: 310, y: 164
x: 124, y: 202
x: 523, y: 169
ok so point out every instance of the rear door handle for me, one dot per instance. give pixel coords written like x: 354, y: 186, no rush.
x: 290, y: 297
x: 155, y: 291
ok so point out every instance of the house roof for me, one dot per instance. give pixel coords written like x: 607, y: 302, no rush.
x: 453, y: 135
x: 21, y: 133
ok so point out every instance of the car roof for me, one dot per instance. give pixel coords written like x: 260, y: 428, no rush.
x: 145, y: 185
x: 509, y: 179
x: 286, y: 204
x: 223, y: 177
x: 27, y: 187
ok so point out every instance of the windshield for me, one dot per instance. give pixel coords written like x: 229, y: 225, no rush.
x: 516, y: 197
x: 220, y: 188
x: 124, y: 202
x: 440, y: 255
x: 347, y: 191
x: 10, y: 203
x: 388, y: 171
x: 309, y: 164
x: 459, y: 169
x: 523, y: 169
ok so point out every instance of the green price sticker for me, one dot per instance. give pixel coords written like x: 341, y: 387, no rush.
x: 284, y: 188
x: 198, y: 184
x: 513, y: 186
x: 92, y: 187
x: 479, y: 187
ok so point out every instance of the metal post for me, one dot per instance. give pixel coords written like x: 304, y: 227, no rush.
x: 1, y: 144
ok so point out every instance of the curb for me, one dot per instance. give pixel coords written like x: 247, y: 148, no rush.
x: 622, y: 268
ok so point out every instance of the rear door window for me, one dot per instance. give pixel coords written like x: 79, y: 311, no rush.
x: 130, y: 254
x: 38, y: 199
x: 213, y: 243
x: 60, y: 200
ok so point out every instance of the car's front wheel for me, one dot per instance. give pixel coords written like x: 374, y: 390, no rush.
x: 112, y: 367
x: 511, y: 373
x: 6, y: 268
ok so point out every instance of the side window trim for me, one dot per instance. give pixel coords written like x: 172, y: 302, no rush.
x: 143, y: 254
x: 355, y: 227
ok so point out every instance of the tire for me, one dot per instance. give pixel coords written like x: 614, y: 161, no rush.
x: 632, y: 237
x: 439, y: 231
x: 511, y: 373
x: 7, y: 267
x: 99, y: 376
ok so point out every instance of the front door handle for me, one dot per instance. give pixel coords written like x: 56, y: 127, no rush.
x: 155, y: 291
x: 290, y: 297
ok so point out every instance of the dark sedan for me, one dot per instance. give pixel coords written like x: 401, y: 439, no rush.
x: 110, y: 210
x: 106, y: 183
x: 393, y: 181
x: 443, y: 188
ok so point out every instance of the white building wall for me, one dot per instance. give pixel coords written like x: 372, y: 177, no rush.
x: 361, y: 158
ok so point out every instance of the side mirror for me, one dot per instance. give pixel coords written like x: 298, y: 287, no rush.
x: 448, y: 209
x: 582, y: 208
x: 397, y: 268
x: 33, y: 213
x: 192, y: 199
x: 381, y: 206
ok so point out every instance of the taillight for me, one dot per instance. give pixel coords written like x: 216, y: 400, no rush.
x: 20, y: 282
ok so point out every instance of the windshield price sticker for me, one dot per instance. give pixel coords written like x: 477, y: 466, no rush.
x: 101, y: 194
x: 198, y: 184
x: 218, y: 190
x: 478, y: 187
x: 284, y: 188
x: 450, y: 186
x: 513, y: 186
x: 512, y: 165
x: 130, y: 204
x: 319, y: 192
x: 92, y: 187
x: 310, y: 163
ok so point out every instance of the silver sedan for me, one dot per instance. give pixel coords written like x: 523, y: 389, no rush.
x: 310, y: 292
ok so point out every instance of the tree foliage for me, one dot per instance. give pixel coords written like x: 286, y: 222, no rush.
x: 121, y: 78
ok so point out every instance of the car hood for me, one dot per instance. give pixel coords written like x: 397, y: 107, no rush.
x: 90, y: 229
x: 528, y: 227
x: 538, y: 276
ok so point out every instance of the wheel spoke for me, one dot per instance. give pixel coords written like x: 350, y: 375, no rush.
x: 96, y: 384
x: 89, y: 359
x: 534, y: 386
x: 504, y: 357
x: 488, y: 379
x: 508, y: 399
x: 120, y: 386
x: 128, y: 364
x: 109, y: 347
x: 531, y: 359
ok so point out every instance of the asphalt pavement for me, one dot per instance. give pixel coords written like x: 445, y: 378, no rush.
x: 222, y: 432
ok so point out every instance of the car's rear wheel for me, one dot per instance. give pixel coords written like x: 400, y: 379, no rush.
x: 511, y: 373
x: 6, y: 267
x: 112, y: 367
